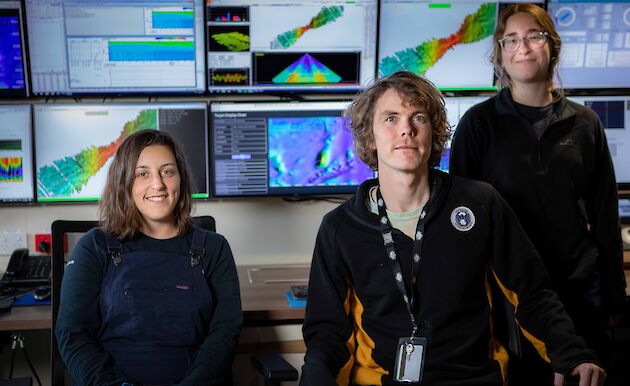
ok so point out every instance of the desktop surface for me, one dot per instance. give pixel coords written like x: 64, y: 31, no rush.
x: 262, y: 296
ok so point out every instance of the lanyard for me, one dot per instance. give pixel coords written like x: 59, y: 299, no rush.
x: 388, y: 240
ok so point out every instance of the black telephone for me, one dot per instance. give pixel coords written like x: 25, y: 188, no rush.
x: 27, y: 271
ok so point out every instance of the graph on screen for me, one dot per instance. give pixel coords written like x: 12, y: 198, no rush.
x: 11, y: 169
x: 114, y: 46
x: 16, y: 157
x: 13, y: 79
x: 68, y: 175
x: 614, y: 112
x: 324, y: 16
x: 595, y: 43
x: 452, y: 34
x: 283, y: 149
x: 311, y: 45
x: 325, y: 156
x: 307, y: 69
x: 77, y: 169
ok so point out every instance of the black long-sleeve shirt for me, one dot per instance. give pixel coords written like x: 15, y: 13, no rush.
x: 561, y: 186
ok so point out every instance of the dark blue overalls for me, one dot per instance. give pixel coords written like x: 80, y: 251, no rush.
x: 155, y: 310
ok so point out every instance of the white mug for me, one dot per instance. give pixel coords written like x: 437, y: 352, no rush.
x: 625, y: 235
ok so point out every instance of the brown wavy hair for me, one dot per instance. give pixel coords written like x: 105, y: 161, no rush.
x: 542, y: 18
x: 118, y: 214
x: 414, y: 90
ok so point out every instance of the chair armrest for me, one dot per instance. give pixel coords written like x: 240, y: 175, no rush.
x: 274, y: 368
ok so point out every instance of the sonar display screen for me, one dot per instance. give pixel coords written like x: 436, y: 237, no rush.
x: 76, y: 170
x: 275, y: 45
x: 283, y: 149
x: 13, y: 79
x: 116, y: 46
x: 452, y: 48
x: 16, y: 156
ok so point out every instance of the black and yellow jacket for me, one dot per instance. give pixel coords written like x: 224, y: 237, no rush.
x: 355, y: 313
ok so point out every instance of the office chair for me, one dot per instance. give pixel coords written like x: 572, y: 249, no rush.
x: 59, y: 229
x: 274, y: 369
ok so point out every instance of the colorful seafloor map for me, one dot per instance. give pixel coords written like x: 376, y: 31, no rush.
x: 11, y: 169
x: 313, y: 151
x: 474, y: 28
x: 233, y: 41
x: 324, y: 16
x: 67, y: 176
x: 307, y: 69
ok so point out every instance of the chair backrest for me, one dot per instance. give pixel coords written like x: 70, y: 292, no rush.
x: 59, y: 229
x: 205, y: 222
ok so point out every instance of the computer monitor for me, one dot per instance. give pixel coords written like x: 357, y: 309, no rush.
x: 298, y: 46
x: 595, y: 43
x: 76, y: 143
x: 116, y: 46
x: 16, y: 154
x: 283, y: 149
x: 448, y: 42
x: 614, y: 112
x: 624, y: 209
x: 13, y: 71
x: 456, y: 107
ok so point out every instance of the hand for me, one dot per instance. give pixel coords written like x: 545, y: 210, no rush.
x: 589, y: 374
x: 614, y: 320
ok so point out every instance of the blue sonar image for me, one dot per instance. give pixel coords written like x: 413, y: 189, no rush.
x: 313, y: 151
x: 11, y: 74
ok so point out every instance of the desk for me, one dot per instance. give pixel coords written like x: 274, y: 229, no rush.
x: 262, y: 298
x: 263, y: 293
x: 26, y: 318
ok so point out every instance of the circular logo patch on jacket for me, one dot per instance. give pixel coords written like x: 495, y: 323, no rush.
x: 462, y: 218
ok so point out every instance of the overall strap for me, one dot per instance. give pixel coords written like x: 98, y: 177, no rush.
x: 197, y: 247
x: 114, y: 248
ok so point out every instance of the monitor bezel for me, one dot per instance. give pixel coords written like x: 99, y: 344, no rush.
x: 26, y: 92
x: 589, y: 90
x: 624, y: 220
x: 603, y: 93
x: 33, y: 200
x: 288, y: 91
x: 294, y: 192
x: 199, y: 196
x: 132, y: 93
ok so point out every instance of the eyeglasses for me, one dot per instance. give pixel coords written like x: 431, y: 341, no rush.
x: 533, y: 40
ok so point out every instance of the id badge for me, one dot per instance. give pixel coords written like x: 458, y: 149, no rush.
x: 410, y: 359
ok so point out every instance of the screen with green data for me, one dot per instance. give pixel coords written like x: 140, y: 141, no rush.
x: 75, y: 144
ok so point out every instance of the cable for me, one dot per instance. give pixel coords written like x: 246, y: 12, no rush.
x: 12, y: 356
x: 14, y: 294
x: 18, y: 339
x: 30, y: 364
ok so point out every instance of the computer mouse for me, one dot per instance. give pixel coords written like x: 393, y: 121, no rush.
x: 42, y: 293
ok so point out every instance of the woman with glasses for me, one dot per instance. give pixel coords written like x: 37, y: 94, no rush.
x: 549, y: 159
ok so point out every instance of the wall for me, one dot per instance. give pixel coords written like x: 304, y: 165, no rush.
x: 259, y: 230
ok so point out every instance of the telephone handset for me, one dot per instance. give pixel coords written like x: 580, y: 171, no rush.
x: 15, y: 263
x: 27, y: 271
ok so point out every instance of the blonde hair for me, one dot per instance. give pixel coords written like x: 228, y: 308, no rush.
x: 414, y: 90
